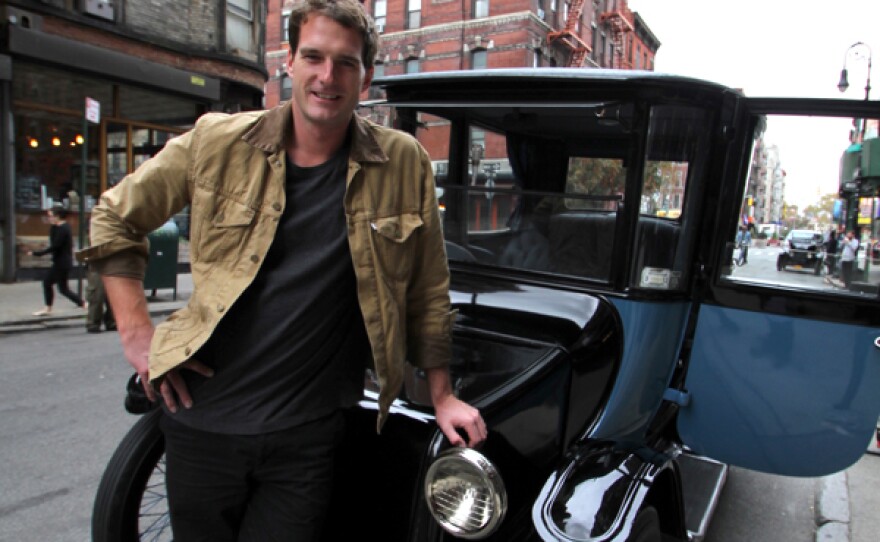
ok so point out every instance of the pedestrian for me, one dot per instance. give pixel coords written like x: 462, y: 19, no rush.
x: 61, y: 249
x: 831, y: 251
x: 743, y: 241
x: 316, y: 251
x: 848, y: 253
x: 99, y: 310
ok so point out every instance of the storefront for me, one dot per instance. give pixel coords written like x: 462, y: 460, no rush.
x: 47, y: 142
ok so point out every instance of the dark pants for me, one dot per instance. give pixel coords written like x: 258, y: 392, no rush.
x: 846, y: 271
x: 99, y: 309
x: 267, y: 487
x: 59, y: 277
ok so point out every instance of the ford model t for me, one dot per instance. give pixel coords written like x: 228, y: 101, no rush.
x: 619, y: 361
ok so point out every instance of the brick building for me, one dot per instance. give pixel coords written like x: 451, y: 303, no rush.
x: 153, y: 67
x: 434, y: 35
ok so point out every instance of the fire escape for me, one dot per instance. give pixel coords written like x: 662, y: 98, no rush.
x: 568, y: 37
x: 618, y: 23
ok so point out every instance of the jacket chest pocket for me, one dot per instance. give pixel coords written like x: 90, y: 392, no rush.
x: 393, y: 240
x: 223, y: 235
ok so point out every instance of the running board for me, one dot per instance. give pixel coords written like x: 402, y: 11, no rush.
x: 702, y: 480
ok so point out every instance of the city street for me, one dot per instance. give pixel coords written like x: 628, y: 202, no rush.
x: 63, y: 417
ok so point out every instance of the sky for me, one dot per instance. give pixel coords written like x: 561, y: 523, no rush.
x: 775, y: 48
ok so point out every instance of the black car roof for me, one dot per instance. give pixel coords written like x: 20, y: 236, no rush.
x: 548, y: 84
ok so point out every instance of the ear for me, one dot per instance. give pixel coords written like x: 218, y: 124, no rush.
x: 288, y: 64
x: 368, y: 78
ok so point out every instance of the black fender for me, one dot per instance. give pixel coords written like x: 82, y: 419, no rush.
x: 597, y: 493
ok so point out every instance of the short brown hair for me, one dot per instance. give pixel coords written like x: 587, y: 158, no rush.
x: 349, y: 13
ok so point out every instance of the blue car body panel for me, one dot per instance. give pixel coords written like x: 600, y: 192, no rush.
x: 780, y: 394
x: 652, y: 338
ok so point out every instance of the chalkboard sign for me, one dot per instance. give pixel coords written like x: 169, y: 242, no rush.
x: 27, y: 193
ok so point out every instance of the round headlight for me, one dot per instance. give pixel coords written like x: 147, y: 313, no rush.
x: 465, y: 493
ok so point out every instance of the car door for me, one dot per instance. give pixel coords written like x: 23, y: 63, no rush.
x: 783, y: 374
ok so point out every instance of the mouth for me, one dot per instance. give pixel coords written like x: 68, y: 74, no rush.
x: 326, y: 95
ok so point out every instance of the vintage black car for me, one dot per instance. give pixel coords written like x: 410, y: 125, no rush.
x: 802, y: 249
x: 590, y: 217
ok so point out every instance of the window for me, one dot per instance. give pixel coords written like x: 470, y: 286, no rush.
x: 413, y: 13
x: 285, y: 26
x: 412, y: 65
x: 380, y: 11
x: 478, y: 59
x: 239, y: 26
x: 481, y: 8
x: 286, y: 88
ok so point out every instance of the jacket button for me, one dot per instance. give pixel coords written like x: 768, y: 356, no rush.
x: 220, y: 308
x: 276, y: 206
x: 255, y: 258
x: 187, y: 350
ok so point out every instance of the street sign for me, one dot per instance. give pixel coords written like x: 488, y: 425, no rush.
x: 93, y: 111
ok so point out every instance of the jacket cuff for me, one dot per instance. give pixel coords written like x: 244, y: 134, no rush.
x: 122, y: 264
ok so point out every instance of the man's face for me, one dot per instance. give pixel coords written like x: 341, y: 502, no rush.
x: 327, y: 72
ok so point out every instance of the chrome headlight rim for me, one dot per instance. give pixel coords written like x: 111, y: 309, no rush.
x: 465, y: 467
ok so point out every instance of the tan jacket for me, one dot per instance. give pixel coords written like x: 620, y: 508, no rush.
x: 231, y: 170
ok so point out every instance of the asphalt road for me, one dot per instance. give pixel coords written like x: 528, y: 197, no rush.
x: 62, y: 417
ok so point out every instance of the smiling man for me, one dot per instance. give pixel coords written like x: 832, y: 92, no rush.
x: 316, y: 251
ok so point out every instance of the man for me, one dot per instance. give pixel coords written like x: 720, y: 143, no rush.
x: 315, y: 245
x: 743, y: 241
x: 848, y: 252
x: 61, y: 249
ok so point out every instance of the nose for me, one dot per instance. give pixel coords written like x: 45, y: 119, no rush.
x: 326, y: 71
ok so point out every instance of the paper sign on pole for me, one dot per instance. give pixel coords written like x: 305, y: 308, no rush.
x: 93, y: 111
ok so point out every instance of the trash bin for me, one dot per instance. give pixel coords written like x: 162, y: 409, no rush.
x: 162, y: 265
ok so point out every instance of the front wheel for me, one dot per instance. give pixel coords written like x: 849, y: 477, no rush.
x: 131, y: 503
x: 646, y: 527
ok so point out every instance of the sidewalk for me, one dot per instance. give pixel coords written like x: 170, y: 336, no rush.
x: 20, y: 299
x: 847, y: 503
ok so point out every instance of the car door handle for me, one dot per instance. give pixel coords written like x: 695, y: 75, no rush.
x: 877, y: 342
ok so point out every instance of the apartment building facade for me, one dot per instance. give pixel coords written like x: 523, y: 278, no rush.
x: 148, y: 70
x: 435, y: 35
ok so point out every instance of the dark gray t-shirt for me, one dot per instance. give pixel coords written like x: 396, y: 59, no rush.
x: 293, y: 348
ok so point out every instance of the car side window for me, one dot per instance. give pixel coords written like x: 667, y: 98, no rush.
x: 802, y: 197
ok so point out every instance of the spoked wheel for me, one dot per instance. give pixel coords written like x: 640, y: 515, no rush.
x: 131, y: 503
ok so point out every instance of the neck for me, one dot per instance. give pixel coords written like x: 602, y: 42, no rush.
x: 312, y: 145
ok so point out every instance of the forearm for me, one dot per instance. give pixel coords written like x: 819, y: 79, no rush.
x: 129, y: 304
x: 439, y: 384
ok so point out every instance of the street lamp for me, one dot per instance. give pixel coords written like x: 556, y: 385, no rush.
x: 844, y: 82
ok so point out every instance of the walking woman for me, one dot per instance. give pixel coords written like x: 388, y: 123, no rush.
x: 61, y: 249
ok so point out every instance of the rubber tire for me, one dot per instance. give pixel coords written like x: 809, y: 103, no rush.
x: 646, y: 527
x: 117, y: 508
x: 780, y: 263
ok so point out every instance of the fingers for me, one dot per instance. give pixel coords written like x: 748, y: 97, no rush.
x: 148, y: 388
x: 467, y: 421
x: 173, y: 388
x: 199, y: 367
